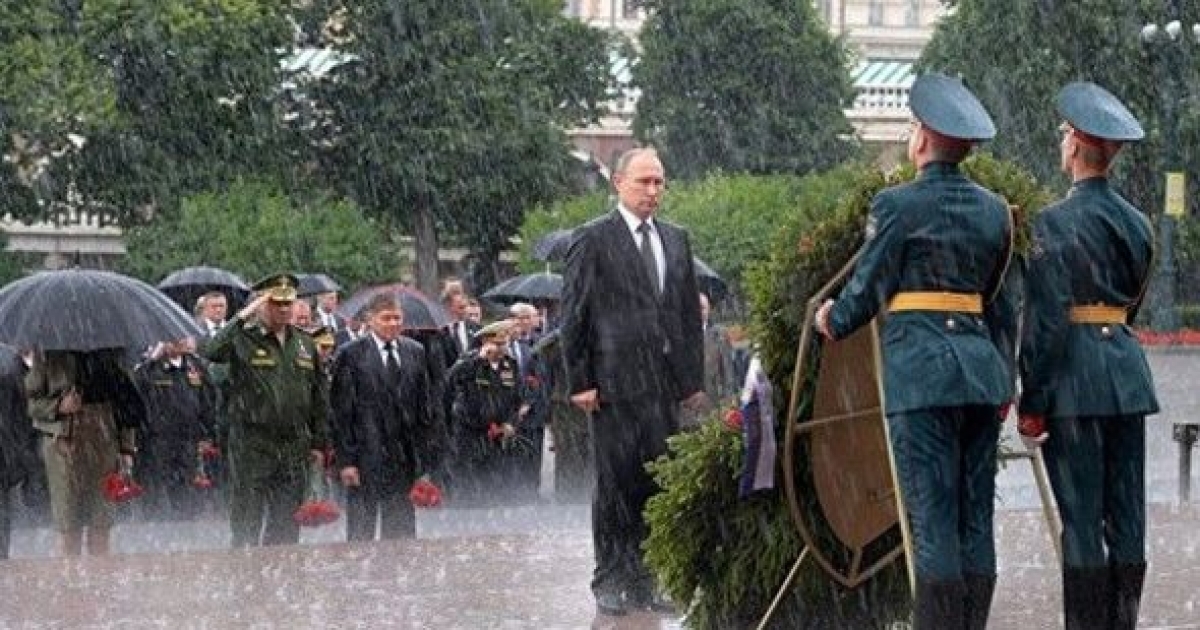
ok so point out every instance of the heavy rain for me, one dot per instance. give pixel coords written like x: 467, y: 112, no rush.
x: 610, y: 314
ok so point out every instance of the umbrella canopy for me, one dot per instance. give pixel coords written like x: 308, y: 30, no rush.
x: 421, y: 312
x: 711, y: 284
x: 543, y: 286
x: 553, y: 246
x: 188, y: 284
x: 315, y: 284
x: 84, y: 310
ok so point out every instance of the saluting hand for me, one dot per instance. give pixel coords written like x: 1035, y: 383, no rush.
x: 253, y: 306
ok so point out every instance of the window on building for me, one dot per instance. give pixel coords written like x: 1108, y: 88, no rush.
x: 912, y: 13
x: 875, y: 13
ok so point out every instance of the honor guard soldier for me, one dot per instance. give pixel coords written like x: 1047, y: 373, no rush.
x: 935, y: 254
x: 1086, y: 386
x: 277, y: 413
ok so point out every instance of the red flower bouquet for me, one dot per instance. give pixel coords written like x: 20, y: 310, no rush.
x: 495, y: 431
x: 206, y: 456
x: 318, y: 509
x: 733, y: 420
x: 425, y: 494
x: 118, y: 486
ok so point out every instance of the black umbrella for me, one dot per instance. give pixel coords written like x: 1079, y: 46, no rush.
x: 85, y: 310
x: 421, y: 312
x: 711, y: 284
x: 315, y: 284
x: 532, y: 287
x: 188, y: 284
x: 553, y: 246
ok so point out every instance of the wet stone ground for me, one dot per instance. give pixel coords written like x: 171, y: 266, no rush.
x: 523, y: 567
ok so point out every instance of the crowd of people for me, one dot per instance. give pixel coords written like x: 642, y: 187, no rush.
x: 232, y: 424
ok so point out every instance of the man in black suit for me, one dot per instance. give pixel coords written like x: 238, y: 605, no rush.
x: 632, y: 332
x: 385, y: 435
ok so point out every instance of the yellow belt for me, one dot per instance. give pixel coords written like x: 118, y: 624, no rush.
x: 1098, y: 314
x: 943, y: 301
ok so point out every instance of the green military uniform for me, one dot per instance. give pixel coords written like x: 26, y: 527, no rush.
x: 935, y: 256
x: 276, y: 407
x: 1084, y: 372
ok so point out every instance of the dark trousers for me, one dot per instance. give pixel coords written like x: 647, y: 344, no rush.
x: 946, y: 464
x: 389, y: 505
x: 268, y: 479
x: 1097, y: 467
x: 5, y: 520
x: 625, y: 436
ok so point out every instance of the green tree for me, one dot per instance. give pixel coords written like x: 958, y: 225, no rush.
x: 254, y: 229
x: 1017, y: 54
x: 122, y: 107
x: 448, y: 122
x: 753, y: 86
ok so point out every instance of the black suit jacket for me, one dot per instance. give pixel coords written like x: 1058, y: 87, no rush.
x: 382, y: 425
x: 622, y: 337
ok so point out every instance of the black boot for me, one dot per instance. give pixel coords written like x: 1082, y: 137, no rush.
x: 1124, y: 593
x: 939, y: 605
x: 1084, y: 593
x: 978, y: 601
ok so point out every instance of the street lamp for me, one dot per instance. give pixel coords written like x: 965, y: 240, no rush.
x: 1163, y: 315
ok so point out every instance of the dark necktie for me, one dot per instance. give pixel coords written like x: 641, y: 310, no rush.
x: 648, y: 259
x: 393, y: 366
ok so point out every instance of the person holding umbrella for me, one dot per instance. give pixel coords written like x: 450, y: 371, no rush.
x: 277, y: 410
x: 87, y: 410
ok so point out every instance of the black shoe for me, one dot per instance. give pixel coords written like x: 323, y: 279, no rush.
x: 654, y: 601
x: 1085, y: 593
x: 611, y: 605
x: 1124, y: 594
x: 940, y: 604
x: 979, y: 600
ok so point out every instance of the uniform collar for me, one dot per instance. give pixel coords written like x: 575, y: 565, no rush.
x: 1091, y: 183
x: 939, y: 170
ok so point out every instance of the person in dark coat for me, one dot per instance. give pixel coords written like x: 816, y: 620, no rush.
x: 527, y: 462
x: 487, y: 405
x: 1087, y: 387
x: 935, y: 256
x: 635, y: 351
x: 574, y: 474
x: 180, y: 425
x: 17, y: 438
x: 384, y: 432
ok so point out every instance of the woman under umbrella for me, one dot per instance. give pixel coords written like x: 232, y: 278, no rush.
x: 87, y: 410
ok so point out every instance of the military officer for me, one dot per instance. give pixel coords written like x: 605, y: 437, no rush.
x: 1086, y: 384
x: 935, y: 254
x: 277, y: 411
x: 487, y: 408
x: 180, y: 422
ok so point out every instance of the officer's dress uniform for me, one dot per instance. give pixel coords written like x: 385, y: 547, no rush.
x: 180, y: 413
x: 1084, y: 371
x: 483, y: 393
x: 277, y: 405
x: 936, y: 253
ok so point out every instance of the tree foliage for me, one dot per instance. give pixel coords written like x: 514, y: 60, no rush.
x: 1017, y: 54
x: 756, y: 87
x: 449, y: 120
x: 255, y: 229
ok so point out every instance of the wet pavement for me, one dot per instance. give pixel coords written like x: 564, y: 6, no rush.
x: 522, y: 567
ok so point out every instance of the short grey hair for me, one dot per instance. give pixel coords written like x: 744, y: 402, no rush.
x: 522, y: 308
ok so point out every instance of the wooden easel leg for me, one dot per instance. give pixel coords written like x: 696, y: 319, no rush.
x: 783, y: 590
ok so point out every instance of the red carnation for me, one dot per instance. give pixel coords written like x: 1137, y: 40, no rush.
x: 494, y: 431
x: 316, y: 513
x: 425, y: 494
x: 733, y: 420
x: 210, y: 452
x: 119, y: 488
x: 202, y: 481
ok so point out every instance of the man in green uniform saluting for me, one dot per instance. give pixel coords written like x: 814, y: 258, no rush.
x: 277, y: 413
x: 934, y: 260
x: 1086, y: 384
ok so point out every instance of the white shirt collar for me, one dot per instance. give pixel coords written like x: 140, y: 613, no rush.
x: 632, y: 221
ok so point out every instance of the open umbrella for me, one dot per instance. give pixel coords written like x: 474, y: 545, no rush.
x: 421, y: 312
x: 84, y: 310
x: 543, y: 286
x: 553, y: 246
x: 315, y: 284
x: 711, y: 284
x: 186, y: 285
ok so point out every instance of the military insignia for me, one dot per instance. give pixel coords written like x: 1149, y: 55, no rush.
x: 163, y: 383
x: 262, y: 362
x: 872, y: 228
x: 302, y: 353
x: 305, y: 364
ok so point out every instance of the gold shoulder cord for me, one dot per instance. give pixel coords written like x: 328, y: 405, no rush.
x: 1008, y: 254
